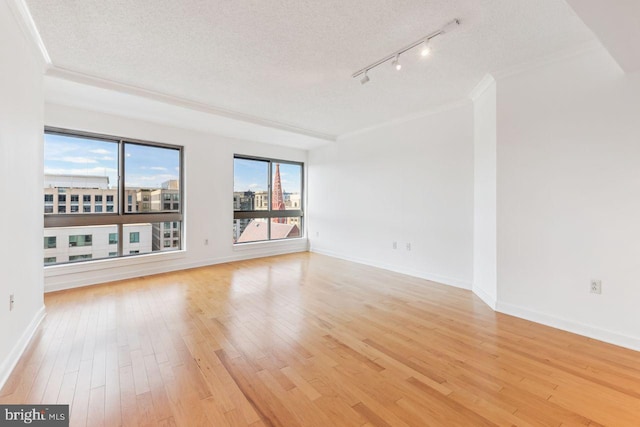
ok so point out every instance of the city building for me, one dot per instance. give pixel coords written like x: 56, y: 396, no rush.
x: 69, y: 244
x: 71, y: 194
x: 67, y: 194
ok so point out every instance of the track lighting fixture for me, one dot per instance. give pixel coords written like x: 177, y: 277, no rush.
x: 396, y: 63
x: 395, y: 56
x: 365, y: 79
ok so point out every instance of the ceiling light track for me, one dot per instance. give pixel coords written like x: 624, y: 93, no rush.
x: 395, y: 56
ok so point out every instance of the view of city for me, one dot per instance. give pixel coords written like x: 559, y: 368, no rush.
x: 81, y: 178
x: 251, y: 193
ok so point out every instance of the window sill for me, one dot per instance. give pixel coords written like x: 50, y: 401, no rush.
x: 110, y: 263
x: 297, y: 241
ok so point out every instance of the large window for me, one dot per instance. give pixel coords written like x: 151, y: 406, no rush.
x: 267, y: 199
x: 109, y: 177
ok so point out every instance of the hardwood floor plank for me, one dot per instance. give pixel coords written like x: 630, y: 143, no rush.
x: 309, y: 340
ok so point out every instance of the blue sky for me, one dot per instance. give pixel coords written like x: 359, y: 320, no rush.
x: 144, y: 166
x: 254, y: 175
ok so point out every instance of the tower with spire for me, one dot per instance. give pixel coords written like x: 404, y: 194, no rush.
x: 277, y: 198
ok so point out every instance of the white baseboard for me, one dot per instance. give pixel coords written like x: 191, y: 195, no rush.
x: 599, y: 334
x: 62, y: 282
x: 398, y: 269
x: 7, y: 365
x: 485, y: 297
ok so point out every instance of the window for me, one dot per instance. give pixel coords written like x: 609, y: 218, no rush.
x: 79, y: 257
x: 80, y: 240
x: 49, y: 260
x: 50, y: 242
x: 148, y: 171
x: 267, y: 199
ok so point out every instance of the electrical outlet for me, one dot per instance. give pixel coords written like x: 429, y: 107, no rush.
x: 596, y: 287
x: 395, y: 245
x: 206, y: 242
x: 317, y: 234
x: 408, y: 246
x: 12, y: 300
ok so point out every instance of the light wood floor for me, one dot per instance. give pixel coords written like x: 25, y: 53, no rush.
x: 308, y: 340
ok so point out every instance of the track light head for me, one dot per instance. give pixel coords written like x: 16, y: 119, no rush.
x: 426, y: 49
x: 396, y: 63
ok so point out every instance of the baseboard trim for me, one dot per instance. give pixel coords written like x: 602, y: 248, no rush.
x: 485, y: 297
x: 61, y: 283
x: 599, y: 334
x: 7, y: 366
x: 457, y: 283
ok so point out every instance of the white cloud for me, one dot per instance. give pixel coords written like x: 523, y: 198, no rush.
x: 70, y: 159
x: 100, y: 151
x: 158, y: 168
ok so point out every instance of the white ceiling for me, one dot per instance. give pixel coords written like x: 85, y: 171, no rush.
x: 617, y: 25
x: 290, y: 61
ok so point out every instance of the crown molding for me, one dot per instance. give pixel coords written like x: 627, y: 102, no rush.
x: 27, y: 24
x: 560, y: 56
x: 442, y: 108
x: 82, y: 78
x: 481, y: 87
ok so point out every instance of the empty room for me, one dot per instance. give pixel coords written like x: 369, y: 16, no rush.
x: 320, y: 213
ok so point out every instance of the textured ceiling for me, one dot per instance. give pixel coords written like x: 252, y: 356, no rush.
x: 290, y: 61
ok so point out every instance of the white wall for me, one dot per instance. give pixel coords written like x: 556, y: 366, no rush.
x: 484, y: 218
x: 568, y: 196
x: 209, y: 199
x: 408, y: 182
x: 21, y: 122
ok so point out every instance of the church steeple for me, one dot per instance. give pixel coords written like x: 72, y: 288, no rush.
x: 277, y: 198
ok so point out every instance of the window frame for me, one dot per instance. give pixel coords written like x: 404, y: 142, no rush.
x: 119, y: 217
x: 270, y: 213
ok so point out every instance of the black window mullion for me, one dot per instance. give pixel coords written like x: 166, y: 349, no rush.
x: 121, y: 196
